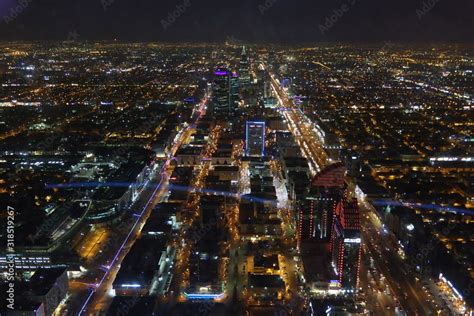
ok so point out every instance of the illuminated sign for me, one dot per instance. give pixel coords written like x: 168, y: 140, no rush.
x: 352, y: 240
x: 131, y: 285
x: 199, y: 296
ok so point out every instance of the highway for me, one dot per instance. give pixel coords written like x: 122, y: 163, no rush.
x: 404, y: 284
x: 378, y: 297
x: 303, y: 130
x: 408, y: 292
x: 89, y: 292
x: 100, y: 298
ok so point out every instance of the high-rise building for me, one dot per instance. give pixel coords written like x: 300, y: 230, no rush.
x: 271, y: 58
x: 222, y: 106
x: 346, y: 245
x: 244, y: 68
x: 255, y: 138
x: 317, y: 210
x: 316, y: 214
x: 268, y: 98
x: 234, y: 89
x: 267, y: 89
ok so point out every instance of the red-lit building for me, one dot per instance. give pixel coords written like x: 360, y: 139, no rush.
x: 316, y: 212
x: 346, y: 244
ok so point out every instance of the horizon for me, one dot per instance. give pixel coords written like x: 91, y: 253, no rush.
x: 273, y: 21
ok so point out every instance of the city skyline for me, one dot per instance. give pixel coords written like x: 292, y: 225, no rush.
x: 250, y: 158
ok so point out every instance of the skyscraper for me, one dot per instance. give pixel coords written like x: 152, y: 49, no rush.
x: 317, y: 210
x: 267, y: 89
x: 316, y: 215
x: 346, y: 244
x: 268, y: 98
x: 221, y: 96
x: 244, y: 71
x: 234, y: 89
x: 255, y: 138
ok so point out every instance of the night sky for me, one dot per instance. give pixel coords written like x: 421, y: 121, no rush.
x: 282, y: 21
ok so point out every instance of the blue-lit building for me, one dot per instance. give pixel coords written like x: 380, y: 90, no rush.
x: 255, y: 138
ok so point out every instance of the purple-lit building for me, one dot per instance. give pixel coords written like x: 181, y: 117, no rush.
x: 222, y: 105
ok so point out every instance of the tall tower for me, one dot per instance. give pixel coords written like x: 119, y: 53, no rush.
x: 221, y: 94
x: 316, y: 212
x: 315, y: 216
x: 244, y: 68
x: 234, y: 89
x: 346, y: 245
x: 267, y: 89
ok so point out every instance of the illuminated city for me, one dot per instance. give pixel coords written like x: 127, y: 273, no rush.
x: 236, y: 177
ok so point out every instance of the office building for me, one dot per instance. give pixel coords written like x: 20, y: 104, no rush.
x: 234, y: 89
x: 221, y: 94
x: 255, y: 138
x: 317, y: 210
x: 346, y: 245
x: 244, y: 71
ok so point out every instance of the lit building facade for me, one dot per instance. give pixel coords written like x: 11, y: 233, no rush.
x: 346, y: 245
x: 222, y: 106
x: 255, y: 138
x: 244, y: 73
x: 317, y: 211
x: 315, y: 217
x: 234, y: 89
